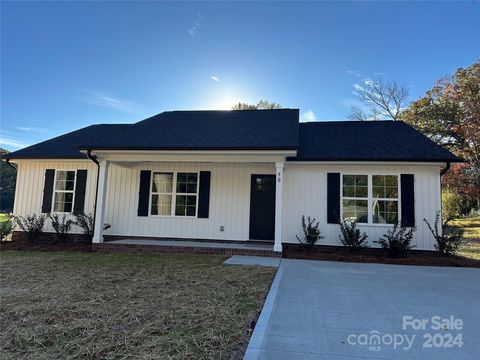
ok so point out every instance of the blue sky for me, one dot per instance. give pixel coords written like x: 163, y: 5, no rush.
x: 68, y: 65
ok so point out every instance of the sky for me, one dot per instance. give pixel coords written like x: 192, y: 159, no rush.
x: 66, y: 65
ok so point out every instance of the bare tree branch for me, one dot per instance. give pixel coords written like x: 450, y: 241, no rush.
x: 384, y: 100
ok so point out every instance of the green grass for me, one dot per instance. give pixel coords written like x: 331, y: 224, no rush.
x: 471, y: 233
x: 4, y: 217
x: 89, y: 305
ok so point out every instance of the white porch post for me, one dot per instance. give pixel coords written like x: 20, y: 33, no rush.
x: 100, y: 205
x: 278, y: 206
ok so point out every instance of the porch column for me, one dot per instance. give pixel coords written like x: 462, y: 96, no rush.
x: 278, y: 206
x: 100, y: 204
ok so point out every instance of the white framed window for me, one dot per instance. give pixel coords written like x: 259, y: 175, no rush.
x: 385, y: 196
x: 162, y: 193
x: 64, y: 190
x: 174, y: 194
x: 355, y: 198
x: 371, y: 199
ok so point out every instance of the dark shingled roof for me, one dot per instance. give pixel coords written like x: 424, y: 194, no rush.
x: 180, y: 130
x: 367, y: 141
x: 247, y: 130
x: 66, y: 146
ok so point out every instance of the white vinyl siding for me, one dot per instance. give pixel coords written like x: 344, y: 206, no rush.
x: 305, y: 193
x: 304, y: 190
x: 31, y: 180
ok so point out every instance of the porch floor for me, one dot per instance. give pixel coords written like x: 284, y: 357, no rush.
x: 147, y: 245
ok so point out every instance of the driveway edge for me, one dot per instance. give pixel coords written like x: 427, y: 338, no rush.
x: 256, y: 340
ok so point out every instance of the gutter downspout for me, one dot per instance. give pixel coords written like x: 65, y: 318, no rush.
x: 94, y: 159
x: 445, y: 169
x: 10, y: 164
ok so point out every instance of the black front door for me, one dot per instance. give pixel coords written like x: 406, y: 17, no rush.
x: 262, y: 207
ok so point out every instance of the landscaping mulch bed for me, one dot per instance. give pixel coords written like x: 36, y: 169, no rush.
x: 335, y: 253
x: 45, y: 246
x: 76, y: 305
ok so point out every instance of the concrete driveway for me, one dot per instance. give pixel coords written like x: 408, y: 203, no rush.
x: 332, y: 310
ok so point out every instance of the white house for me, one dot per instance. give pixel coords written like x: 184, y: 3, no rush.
x: 236, y: 175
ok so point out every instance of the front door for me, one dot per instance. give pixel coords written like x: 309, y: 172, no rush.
x: 262, y: 207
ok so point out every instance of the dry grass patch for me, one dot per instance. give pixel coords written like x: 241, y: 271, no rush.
x: 471, y: 233
x: 106, y: 306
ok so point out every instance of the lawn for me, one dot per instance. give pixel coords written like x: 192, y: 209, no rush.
x: 89, y: 305
x: 4, y: 217
x: 471, y: 233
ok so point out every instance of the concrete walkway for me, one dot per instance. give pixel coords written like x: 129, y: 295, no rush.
x: 320, y: 310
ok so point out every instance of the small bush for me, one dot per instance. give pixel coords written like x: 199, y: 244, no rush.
x: 311, y: 233
x: 87, y: 223
x: 397, y: 242
x: 32, y: 225
x: 450, y: 238
x: 451, y: 204
x: 351, y: 236
x: 62, y: 226
x: 5, y: 229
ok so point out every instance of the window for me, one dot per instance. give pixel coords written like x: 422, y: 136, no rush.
x: 384, y: 199
x: 370, y: 199
x: 162, y: 192
x: 355, y: 198
x: 186, y: 198
x: 181, y: 187
x: 64, y: 190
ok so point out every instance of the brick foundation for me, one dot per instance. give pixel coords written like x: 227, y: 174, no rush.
x: 128, y: 248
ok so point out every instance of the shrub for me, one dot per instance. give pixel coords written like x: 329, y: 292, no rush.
x: 32, y: 225
x: 311, y: 233
x: 397, y: 241
x: 61, y: 226
x: 451, y: 204
x: 351, y: 236
x: 449, y: 239
x: 5, y: 229
x: 87, y: 223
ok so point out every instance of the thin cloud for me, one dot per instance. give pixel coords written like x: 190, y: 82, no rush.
x: 102, y: 99
x: 196, y: 25
x: 350, y: 72
x: 31, y: 129
x: 379, y: 73
x: 307, y: 116
x: 12, y: 141
x: 215, y: 78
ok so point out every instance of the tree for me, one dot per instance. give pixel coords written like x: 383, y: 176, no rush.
x: 8, y: 177
x: 380, y: 100
x: 449, y: 114
x: 261, y: 105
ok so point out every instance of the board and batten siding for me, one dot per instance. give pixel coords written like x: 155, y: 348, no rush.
x: 305, y: 193
x: 31, y: 180
x: 229, y: 201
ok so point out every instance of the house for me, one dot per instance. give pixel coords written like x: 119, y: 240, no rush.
x: 236, y: 175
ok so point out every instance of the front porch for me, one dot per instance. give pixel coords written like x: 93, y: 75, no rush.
x: 190, y: 246
x: 185, y: 196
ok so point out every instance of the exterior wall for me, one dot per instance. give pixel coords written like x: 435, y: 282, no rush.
x: 30, y: 183
x: 229, y: 202
x: 305, y: 193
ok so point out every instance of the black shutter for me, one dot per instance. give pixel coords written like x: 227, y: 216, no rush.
x: 333, y: 198
x: 144, y: 193
x: 48, y: 191
x: 81, y: 184
x: 204, y: 194
x: 407, y: 200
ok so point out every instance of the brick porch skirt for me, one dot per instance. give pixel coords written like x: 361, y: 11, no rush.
x: 128, y: 248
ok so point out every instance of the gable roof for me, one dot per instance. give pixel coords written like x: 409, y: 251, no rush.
x: 367, y: 141
x: 277, y: 129
x: 211, y: 130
